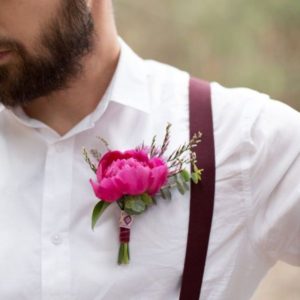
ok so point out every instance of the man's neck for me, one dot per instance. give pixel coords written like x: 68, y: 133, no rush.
x: 62, y: 110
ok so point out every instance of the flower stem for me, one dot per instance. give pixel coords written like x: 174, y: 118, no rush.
x: 124, y: 257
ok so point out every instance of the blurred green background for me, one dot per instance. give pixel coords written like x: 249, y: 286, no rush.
x: 235, y: 42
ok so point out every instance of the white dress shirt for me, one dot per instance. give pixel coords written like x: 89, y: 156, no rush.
x: 48, y: 250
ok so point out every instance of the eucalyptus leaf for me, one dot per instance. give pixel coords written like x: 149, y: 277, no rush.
x: 163, y: 194
x: 186, y: 186
x: 147, y: 199
x: 180, y: 187
x: 98, y: 211
x: 134, y: 205
x: 130, y: 211
x: 128, y: 203
x: 138, y: 206
x: 154, y: 200
x: 166, y: 194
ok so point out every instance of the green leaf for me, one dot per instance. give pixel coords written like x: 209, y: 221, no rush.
x: 195, y: 177
x: 200, y: 174
x: 138, y: 206
x: 121, y: 203
x: 165, y: 193
x: 186, y: 186
x: 154, y: 200
x: 98, y: 211
x: 147, y: 199
x: 180, y: 187
x: 185, y: 175
x: 134, y: 205
x: 128, y: 200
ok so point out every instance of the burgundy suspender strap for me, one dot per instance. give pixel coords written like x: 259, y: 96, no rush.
x: 202, y: 194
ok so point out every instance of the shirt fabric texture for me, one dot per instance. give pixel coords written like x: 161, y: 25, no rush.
x: 47, y: 248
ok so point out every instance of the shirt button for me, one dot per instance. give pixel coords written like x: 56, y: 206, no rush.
x: 56, y: 239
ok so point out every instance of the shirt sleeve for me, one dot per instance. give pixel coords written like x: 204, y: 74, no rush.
x: 273, y: 166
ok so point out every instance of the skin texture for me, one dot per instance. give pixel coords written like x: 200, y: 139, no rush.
x: 63, y: 54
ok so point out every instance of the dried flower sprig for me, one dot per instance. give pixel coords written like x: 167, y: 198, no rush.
x: 176, y: 161
x: 104, y: 143
x: 88, y: 160
x: 166, y: 141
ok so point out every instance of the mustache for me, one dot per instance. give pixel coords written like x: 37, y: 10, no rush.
x: 8, y: 44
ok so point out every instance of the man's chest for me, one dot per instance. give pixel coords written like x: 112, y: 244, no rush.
x: 47, y: 236
x: 49, y: 248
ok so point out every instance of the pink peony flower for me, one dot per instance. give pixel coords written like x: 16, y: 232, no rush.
x: 128, y: 173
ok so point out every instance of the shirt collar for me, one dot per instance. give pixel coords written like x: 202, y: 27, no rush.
x: 128, y: 86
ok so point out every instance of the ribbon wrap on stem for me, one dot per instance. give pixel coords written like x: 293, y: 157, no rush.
x: 124, y: 235
x: 126, y: 221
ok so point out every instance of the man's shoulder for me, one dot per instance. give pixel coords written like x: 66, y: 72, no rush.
x: 253, y: 119
x: 234, y: 94
x: 256, y: 117
x: 171, y: 78
x: 249, y: 104
x: 237, y: 103
x: 170, y: 85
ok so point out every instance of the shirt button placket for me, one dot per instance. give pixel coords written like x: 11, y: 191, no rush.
x: 55, y: 264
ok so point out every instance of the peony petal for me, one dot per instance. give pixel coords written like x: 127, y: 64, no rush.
x: 139, y: 155
x: 95, y: 186
x: 106, y: 161
x: 158, y: 178
x: 122, y: 183
x: 135, y: 180
x: 156, y: 162
x: 142, y: 180
x: 106, y: 190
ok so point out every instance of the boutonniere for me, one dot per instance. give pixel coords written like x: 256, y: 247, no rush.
x: 134, y: 179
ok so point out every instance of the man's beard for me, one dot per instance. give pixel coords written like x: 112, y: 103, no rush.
x: 66, y: 40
